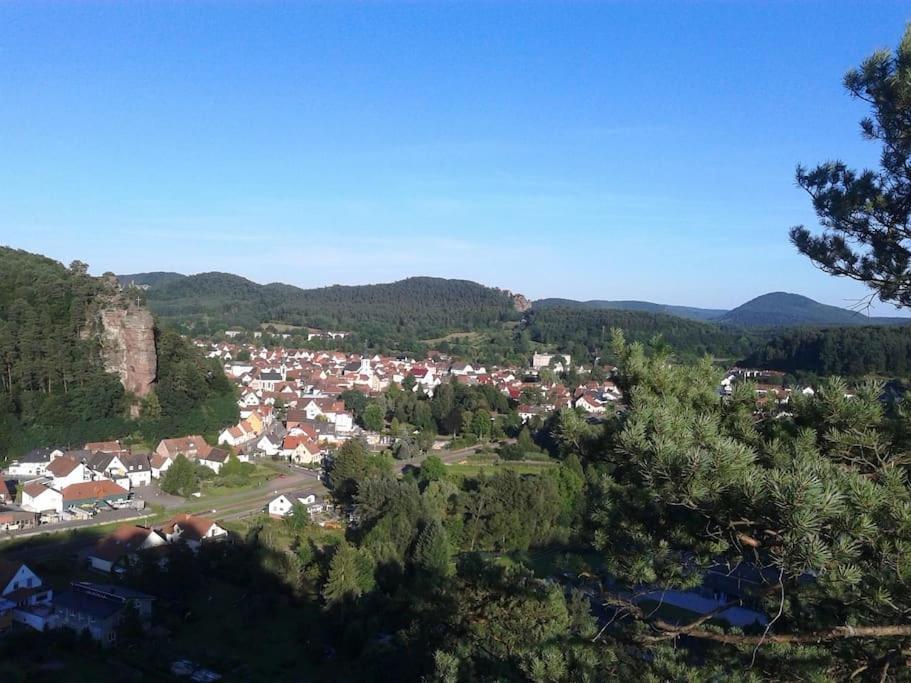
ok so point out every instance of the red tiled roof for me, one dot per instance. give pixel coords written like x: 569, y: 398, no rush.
x: 103, y: 488
x: 61, y: 467
x: 191, y: 526
x: 34, y: 489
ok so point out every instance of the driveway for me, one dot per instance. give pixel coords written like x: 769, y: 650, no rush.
x: 153, y: 495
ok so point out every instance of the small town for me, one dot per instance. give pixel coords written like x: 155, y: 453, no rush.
x: 293, y: 418
x: 455, y: 342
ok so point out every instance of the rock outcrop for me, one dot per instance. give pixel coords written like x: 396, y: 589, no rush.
x: 127, y: 336
x: 521, y: 303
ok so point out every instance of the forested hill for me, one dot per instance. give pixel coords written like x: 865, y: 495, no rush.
x: 586, y: 332
x: 149, y: 279
x: 776, y: 309
x: 782, y: 309
x: 689, y: 312
x: 847, y: 351
x: 54, y: 389
x: 418, y: 307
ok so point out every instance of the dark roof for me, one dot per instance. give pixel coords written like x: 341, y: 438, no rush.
x: 111, y: 590
x: 99, y: 461
x: 87, y: 603
x: 270, y: 376
x: 136, y: 462
x: 36, y: 455
x: 216, y: 455
x: 8, y: 570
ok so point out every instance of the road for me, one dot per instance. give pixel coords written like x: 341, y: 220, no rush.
x: 231, y: 506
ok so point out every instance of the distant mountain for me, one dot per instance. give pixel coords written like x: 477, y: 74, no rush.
x: 688, y: 312
x: 149, y: 279
x: 782, y: 309
x: 416, y: 307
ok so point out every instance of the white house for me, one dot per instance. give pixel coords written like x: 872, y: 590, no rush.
x: 237, y: 435
x: 214, y: 460
x: 590, y: 404
x: 66, y: 471
x: 138, y: 469
x: 159, y: 464
x: 21, y: 591
x: 192, y: 530
x: 122, y: 546
x: 37, y: 497
x: 542, y: 360
x: 301, y: 450
x: 284, y: 504
x: 34, y: 463
x: 269, y: 444
x: 109, y: 466
x: 344, y: 422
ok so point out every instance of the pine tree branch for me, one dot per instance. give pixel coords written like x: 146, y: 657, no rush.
x: 837, y: 633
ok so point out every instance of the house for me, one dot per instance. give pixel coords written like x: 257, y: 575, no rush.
x: 109, y: 466
x: 215, y: 459
x: 327, y: 407
x: 94, y: 494
x: 270, y: 444
x: 527, y: 412
x: 98, y: 609
x: 590, y: 404
x: 37, y: 497
x: 301, y: 450
x: 34, y: 463
x: 138, y: 469
x: 65, y: 471
x: 237, y: 436
x: 267, y: 380
x: 159, y: 464
x: 543, y: 360
x: 461, y: 369
x: 120, y: 548
x: 104, y: 447
x: 21, y: 592
x: 6, y: 491
x: 192, y: 447
x: 17, y: 520
x: 192, y: 530
x: 283, y: 505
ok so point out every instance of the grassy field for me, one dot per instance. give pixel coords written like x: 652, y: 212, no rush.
x: 280, y: 327
x: 464, y: 337
x: 474, y: 465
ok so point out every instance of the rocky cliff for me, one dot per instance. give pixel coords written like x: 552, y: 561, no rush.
x: 125, y: 331
x: 127, y: 337
x: 520, y: 302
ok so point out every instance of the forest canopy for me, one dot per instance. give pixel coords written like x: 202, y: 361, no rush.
x: 54, y: 389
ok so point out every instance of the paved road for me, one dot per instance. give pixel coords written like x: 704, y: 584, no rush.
x: 104, y: 517
x: 231, y: 506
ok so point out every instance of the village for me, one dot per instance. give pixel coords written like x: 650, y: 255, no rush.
x: 293, y: 417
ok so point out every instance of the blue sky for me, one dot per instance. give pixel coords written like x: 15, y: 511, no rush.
x: 581, y: 149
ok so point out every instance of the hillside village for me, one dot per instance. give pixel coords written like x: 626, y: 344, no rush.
x: 292, y: 410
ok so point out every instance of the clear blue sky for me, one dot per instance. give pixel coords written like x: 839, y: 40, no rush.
x: 580, y: 149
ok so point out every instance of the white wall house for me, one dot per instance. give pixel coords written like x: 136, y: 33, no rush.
x: 66, y: 471
x: 34, y: 463
x: 284, y: 504
x: 40, y: 498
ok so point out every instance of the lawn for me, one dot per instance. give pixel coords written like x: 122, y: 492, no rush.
x: 472, y: 469
x: 215, y: 488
